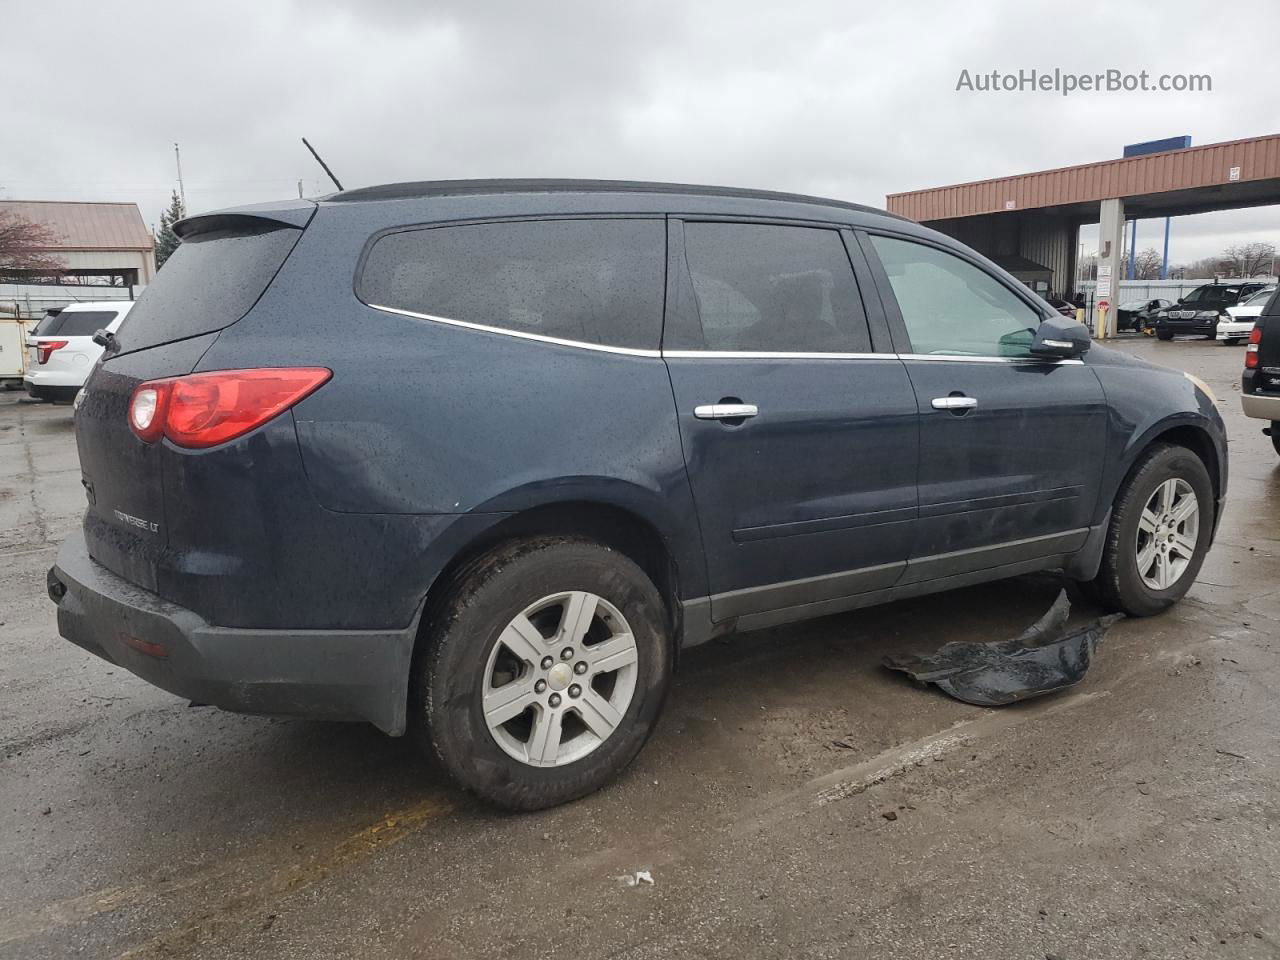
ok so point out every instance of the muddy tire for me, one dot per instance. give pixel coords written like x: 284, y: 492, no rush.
x: 1275, y: 435
x: 543, y: 671
x: 1164, y: 335
x: 1161, y: 526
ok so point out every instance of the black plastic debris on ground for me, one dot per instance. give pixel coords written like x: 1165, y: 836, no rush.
x: 1043, y: 658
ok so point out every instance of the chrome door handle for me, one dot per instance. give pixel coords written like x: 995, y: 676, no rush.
x: 954, y: 403
x: 725, y: 411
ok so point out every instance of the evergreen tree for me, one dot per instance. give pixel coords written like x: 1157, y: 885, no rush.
x: 166, y: 240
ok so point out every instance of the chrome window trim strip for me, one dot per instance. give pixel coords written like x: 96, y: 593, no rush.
x: 705, y: 354
x: 521, y: 334
x: 770, y: 355
x: 964, y: 358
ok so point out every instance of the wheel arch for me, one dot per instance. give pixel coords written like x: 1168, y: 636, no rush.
x: 1191, y: 433
x: 633, y: 535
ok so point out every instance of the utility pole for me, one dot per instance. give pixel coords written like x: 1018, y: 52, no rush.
x: 299, y: 189
x: 182, y: 192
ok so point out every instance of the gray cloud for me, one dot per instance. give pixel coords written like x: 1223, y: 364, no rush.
x: 848, y: 100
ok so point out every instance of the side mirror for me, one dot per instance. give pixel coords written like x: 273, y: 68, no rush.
x: 1061, y: 339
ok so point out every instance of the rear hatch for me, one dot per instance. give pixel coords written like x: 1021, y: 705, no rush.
x: 223, y: 265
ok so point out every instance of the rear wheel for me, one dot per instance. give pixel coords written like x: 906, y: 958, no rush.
x: 1160, y: 529
x: 548, y: 666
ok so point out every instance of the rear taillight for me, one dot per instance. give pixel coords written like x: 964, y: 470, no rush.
x: 45, y: 349
x: 1251, y: 351
x: 206, y: 409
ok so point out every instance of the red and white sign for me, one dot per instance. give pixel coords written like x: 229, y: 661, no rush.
x: 1103, y: 305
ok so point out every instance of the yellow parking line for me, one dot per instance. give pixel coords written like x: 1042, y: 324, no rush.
x: 390, y: 829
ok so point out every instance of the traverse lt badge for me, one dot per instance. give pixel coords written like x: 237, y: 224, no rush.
x: 137, y: 521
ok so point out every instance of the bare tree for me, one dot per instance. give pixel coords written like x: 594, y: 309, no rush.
x: 1204, y: 269
x: 1256, y: 259
x: 1087, y: 267
x: 1146, y: 264
x: 24, y: 246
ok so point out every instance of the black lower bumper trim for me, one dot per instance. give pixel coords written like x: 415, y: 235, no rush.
x: 325, y: 674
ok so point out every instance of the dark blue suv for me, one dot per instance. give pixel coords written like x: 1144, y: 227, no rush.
x: 475, y: 459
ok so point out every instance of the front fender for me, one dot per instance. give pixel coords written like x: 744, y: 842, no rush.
x: 1148, y: 404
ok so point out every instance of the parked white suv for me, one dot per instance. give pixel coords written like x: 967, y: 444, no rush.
x: 62, y: 351
x: 1241, y: 318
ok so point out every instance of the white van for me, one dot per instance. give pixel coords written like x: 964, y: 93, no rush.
x: 62, y: 351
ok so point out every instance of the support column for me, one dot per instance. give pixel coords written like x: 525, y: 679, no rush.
x: 1110, y: 254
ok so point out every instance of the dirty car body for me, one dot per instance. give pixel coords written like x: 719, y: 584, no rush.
x: 751, y: 397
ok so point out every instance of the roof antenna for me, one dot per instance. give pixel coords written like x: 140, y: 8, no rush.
x: 322, y: 163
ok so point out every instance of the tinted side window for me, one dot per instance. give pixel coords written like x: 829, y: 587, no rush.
x: 594, y: 281
x: 761, y: 287
x: 951, y: 306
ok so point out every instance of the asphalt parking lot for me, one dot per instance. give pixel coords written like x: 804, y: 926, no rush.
x: 797, y: 801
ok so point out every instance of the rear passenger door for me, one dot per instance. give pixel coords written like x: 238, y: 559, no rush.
x: 1011, y: 445
x: 800, y: 439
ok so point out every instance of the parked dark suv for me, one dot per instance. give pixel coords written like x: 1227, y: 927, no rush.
x: 476, y: 459
x: 1200, y: 310
x: 1260, y: 386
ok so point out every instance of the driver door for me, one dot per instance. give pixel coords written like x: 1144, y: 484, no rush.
x: 1011, y: 445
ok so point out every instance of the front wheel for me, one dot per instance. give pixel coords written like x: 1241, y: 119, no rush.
x: 1160, y: 530
x: 1275, y: 435
x: 546, y: 670
x: 1230, y: 341
x: 1164, y: 334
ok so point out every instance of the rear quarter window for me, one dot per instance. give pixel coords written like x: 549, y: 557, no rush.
x: 590, y: 281
x: 210, y: 282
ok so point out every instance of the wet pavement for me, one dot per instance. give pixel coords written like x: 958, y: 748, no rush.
x: 798, y: 800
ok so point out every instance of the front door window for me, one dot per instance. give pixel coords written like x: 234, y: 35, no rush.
x: 951, y: 307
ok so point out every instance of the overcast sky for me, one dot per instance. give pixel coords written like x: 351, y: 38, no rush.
x: 833, y: 98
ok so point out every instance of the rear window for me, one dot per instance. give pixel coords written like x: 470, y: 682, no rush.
x: 210, y: 282
x: 592, y: 281
x: 74, y: 323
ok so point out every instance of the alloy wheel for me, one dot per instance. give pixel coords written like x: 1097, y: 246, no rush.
x: 559, y: 679
x: 1168, y: 531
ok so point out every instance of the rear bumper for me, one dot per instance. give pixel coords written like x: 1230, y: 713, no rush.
x: 56, y: 377
x: 324, y: 674
x: 1261, y: 407
x: 46, y: 391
